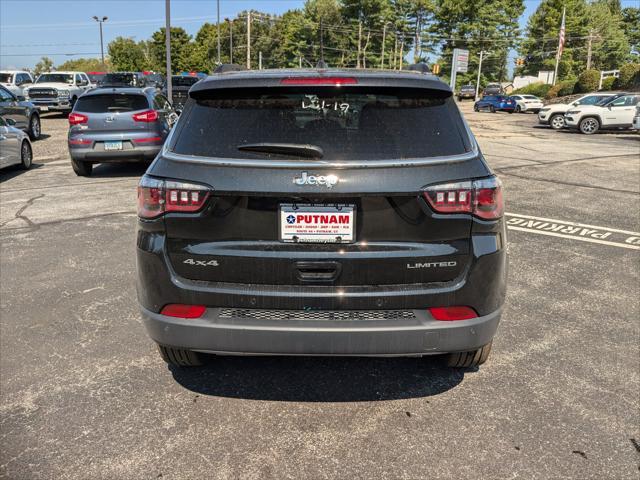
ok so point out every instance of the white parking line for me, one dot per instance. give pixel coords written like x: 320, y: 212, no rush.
x: 575, y: 231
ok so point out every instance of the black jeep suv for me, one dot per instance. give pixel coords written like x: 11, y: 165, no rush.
x: 321, y: 212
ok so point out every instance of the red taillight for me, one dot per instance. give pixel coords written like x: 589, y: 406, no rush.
x: 319, y: 81
x: 147, y: 140
x: 482, y: 198
x: 77, y: 118
x: 146, y: 116
x: 156, y: 197
x: 448, y: 314
x: 79, y: 141
x: 179, y: 310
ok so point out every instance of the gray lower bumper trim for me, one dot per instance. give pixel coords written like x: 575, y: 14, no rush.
x: 419, y: 336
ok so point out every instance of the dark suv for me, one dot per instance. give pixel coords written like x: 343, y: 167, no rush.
x: 117, y: 124
x: 321, y: 212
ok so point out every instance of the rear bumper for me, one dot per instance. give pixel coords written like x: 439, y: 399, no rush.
x: 261, y: 335
x: 145, y: 153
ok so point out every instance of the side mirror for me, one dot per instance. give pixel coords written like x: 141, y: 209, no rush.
x: 10, y: 121
x: 21, y: 98
x: 609, y: 106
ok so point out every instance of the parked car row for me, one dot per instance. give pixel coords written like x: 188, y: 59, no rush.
x: 594, y: 112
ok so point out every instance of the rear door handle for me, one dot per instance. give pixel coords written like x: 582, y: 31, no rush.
x: 318, y: 271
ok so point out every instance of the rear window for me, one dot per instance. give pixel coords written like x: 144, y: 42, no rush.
x: 122, y: 79
x: 111, y: 102
x: 346, y: 124
x: 184, y: 81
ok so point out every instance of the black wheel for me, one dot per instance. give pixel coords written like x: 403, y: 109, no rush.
x: 179, y: 357
x: 492, y: 109
x: 557, y: 121
x: 82, y: 169
x: 518, y: 109
x: 26, y: 155
x: 475, y: 108
x: 473, y: 358
x: 34, y: 127
x: 589, y: 125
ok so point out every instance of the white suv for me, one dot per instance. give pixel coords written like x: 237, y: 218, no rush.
x: 553, y: 114
x: 15, y: 81
x: 618, y: 112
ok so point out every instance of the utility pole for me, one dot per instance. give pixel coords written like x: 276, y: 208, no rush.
x: 322, y: 43
x: 359, y: 42
x: 101, y: 21
x: 260, y: 60
x: 218, y: 30
x: 167, y: 43
x: 384, y: 37
x: 590, y: 40
x: 230, y: 40
x: 395, y: 51
x: 482, y: 53
x: 300, y: 61
x: 401, y: 59
x: 249, y: 40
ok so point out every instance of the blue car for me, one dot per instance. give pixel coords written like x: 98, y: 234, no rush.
x: 495, y: 103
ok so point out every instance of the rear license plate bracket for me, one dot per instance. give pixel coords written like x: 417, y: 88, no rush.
x: 311, y: 223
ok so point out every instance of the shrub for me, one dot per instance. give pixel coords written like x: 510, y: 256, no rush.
x: 561, y: 89
x: 629, y: 76
x: 587, y: 81
x: 607, y: 83
x: 538, y: 89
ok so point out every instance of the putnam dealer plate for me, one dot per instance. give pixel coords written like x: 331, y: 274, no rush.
x: 317, y: 223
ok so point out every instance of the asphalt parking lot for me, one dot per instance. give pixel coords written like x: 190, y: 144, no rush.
x: 84, y: 393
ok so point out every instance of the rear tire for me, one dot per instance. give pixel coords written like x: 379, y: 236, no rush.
x: 492, y: 109
x: 475, y: 108
x: 26, y: 155
x: 82, y: 169
x: 518, y: 109
x: 589, y: 125
x: 179, y: 357
x: 473, y: 358
x: 34, y: 127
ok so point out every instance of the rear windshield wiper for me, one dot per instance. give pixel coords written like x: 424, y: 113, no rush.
x: 298, y: 149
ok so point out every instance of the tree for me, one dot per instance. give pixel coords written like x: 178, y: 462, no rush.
x: 609, y: 44
x: 180, y: 49
x: 44, y: 65
x: 84, y: 65
x: 126, y: 55
x: 631, y: 25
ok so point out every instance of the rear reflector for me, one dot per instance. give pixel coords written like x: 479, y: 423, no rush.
x: 337, y: 81
x: 77, y: 118
x: 156, y: 197
x: 180, y: 310
x: 482, y: 198
x: 448, y: 314
x: 147, y: 140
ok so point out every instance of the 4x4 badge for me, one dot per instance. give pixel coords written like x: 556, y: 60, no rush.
x: 305, y: 179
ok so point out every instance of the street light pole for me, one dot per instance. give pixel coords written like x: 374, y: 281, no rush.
x: 482, y: 53
x: 100, y: 22
x: 167, y: 40
x: 218, y: 28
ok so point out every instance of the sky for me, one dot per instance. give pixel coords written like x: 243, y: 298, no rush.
x: 65, y: 29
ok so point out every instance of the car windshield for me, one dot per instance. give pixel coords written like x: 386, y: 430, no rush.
x: 363, y: 123
x: 183, y: 81
x: 55, y: 78
x: 111, y: 102
x: 6, y: 77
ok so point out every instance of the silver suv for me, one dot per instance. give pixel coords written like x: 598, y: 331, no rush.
x: 118, y: 124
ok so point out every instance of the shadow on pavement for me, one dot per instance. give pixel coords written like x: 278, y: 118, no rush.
x: 114, y: 170
x: 320, y: 379
x: 13, y: 171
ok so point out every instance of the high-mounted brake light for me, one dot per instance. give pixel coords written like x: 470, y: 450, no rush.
x: 482, y: 198
x: 179, y: 310
x: 156, y: 197
x: 449, y: 314
x: 77, y: 118
x: 146, y: 116
x: 337, y: 81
